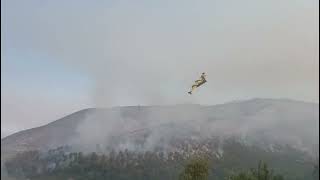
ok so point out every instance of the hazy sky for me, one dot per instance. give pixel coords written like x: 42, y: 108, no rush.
x: 62, y: 56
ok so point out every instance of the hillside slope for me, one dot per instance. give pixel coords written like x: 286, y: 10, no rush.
x: 253, y: 121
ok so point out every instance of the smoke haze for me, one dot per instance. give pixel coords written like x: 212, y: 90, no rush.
x: 256, y: 122
x: 149, y: 53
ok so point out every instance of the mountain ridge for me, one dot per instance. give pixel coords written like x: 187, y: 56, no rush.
x: 85, y: 125
x: 143, y: 106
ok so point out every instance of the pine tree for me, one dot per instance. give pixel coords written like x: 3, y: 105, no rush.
x: 196, y: 169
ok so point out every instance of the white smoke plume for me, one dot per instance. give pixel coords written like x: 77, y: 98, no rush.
x: 263, y: 122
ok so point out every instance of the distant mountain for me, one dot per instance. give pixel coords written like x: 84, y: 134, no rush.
x: 262, y: 122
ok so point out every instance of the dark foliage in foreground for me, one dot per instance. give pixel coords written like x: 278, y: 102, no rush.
x: 125, y: 165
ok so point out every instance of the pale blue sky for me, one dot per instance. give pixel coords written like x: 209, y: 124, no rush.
x: 60, y: 56
x: 39, y: 75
